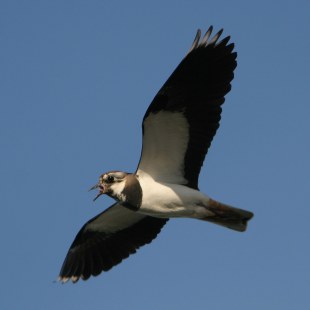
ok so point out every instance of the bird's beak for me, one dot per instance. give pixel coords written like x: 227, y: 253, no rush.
x: 102, y: 190
x: 94, y: 187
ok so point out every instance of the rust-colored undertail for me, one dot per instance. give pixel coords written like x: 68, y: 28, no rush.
x: 228, y: 216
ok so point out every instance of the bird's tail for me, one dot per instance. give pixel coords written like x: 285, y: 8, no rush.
x: 228, y: 216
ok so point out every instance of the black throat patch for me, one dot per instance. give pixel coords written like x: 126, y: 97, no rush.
x: 133, y: 193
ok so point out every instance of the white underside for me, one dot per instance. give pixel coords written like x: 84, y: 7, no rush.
x: 114, y: 219
x: 165, y: 141
x: 167, y: 200
x: 161, y: 169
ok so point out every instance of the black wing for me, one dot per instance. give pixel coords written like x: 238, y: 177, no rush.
x: 106, y: 240
x: 181, y: 121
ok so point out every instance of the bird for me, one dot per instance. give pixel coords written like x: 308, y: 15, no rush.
x: 177, y: 128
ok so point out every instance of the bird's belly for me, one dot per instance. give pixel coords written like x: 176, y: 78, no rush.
x: 170, y: 200
x: 166, y: 210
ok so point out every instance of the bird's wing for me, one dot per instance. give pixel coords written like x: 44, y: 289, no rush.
x: 182, y: 119
x: 106, y: 240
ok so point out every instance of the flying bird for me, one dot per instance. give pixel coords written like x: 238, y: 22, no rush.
x: 177, y: 128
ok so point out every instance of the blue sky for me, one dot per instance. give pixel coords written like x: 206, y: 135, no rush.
x: 76, y: 79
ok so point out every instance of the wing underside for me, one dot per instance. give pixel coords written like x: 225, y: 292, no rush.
x: 106, y: 240
x: 182, y: 119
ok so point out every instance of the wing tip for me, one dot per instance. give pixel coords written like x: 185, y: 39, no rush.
x: 206, y: 41
x: 196, y: 41
x: 62, y: 279
x: 74, y: 279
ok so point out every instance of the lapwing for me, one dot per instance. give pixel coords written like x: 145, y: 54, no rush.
x: 177, y: 128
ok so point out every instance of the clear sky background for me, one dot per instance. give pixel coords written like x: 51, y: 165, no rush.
x: 76, y: 78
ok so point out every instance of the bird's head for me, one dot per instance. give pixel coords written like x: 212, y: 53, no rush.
x: 111, y: 183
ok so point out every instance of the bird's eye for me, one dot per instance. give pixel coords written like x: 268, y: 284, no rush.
x: 110, y: 179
